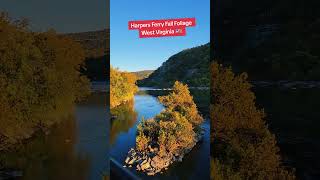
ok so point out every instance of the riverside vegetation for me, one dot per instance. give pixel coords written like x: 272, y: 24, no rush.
x: 39, y: 80
x: 170, y: 135
x: 122, y: 87
x: 242, y: 147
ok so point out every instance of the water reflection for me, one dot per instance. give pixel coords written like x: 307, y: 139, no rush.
x: 293, y: 115
x: 125, y: 117
x: 41, y: 157
x: 76, y: 149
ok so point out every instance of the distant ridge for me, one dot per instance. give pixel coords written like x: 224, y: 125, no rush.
x: 143, y: 74
x: 96, y: 43
x: 190, y: 66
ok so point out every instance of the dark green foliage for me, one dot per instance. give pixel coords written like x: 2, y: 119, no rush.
x: 96, y: 47
x: 190, y: 66
x: 96, y: 68
x: 288, y: 52
x: 39, y: 80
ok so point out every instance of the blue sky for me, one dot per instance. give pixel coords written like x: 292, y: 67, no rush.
x: 130, y: 53
x: 62, y: 15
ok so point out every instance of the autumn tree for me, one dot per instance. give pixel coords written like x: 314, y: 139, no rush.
x: 39, y: 79
x: 180, y: 100
x: 122, y: 87
x: 242, y: 145
x: 174, y: 129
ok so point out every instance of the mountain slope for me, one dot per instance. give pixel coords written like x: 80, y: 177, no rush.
x: 269, y: 39
x: 190, y: 66
x: 96, y: 45
x: 143, y: 74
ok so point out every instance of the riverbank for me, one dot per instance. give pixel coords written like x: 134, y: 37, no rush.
x: 287, y: 84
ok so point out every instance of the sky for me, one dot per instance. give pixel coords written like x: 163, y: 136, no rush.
x: 130, y: 53
x: 62, y: 15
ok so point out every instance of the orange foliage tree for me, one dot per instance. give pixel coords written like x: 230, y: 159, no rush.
x: 175, y: 129
x: 242, y: 145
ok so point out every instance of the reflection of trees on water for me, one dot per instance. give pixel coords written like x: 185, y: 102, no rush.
x: 125, y: 117
x: 50, y: 156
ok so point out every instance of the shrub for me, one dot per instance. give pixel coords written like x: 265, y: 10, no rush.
x: 142, y: 141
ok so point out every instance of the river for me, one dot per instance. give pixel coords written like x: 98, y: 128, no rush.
x: 293, y: 115
x: 195, y: 165
x: 75, y: 149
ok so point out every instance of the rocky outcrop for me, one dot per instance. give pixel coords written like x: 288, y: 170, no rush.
x: 150, y: 161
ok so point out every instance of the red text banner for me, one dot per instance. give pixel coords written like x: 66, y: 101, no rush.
x: 162, y: 28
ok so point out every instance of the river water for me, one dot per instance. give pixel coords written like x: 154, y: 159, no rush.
x: 75, y: 149
x: 293, y: 115
x: 195, y: 165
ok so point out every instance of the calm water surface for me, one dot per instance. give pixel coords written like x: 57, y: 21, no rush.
x: 294, y: 116
x: 76, y: 149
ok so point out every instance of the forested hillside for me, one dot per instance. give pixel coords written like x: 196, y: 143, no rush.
x: 96, y: 45
x: 190, y: 66
x: 143, y: 74
x: 270, y: 40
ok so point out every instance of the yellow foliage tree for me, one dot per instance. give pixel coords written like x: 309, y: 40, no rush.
x: 122, y: 87
x: 173, y: 130
x: 39, y: 79
x: 181, y: 100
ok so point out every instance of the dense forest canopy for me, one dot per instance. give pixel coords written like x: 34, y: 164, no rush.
x: 122, y: 87
x: 242, y: 147
x: 39, y: 79
x: 189, y: 66
x: 275, y: 40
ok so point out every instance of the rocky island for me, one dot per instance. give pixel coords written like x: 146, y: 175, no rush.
x: 169, y: 136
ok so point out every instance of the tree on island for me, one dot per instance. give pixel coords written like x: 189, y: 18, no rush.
x: 242, y: 147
